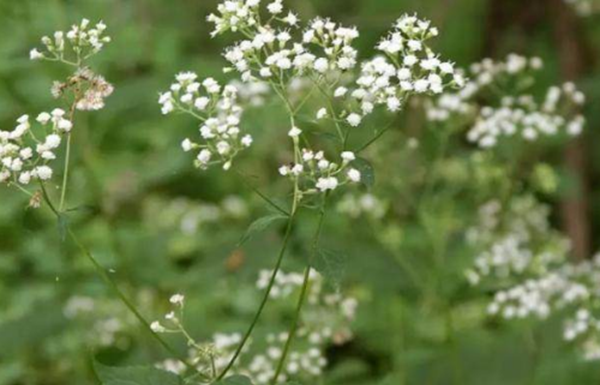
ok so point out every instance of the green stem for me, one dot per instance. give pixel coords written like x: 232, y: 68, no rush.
x: 303, y: 293
x: 261, y: 195
x: 63, y: 192
x: 111, y: 283
x: 265, y: 299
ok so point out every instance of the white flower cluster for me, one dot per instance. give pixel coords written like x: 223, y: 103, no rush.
x: 325, y: 321
x: 270, y: 51
x: 515, y: 243
x: 189, y: 216
x: 365, y: 204
x: 408, y: 67
x: 102, y: 322
x: 317, y: 174
x: 520, y: 115
x: 527, y: 259
x: 217, y: 109
x: 571, y: 291
x: 25, y: 155
x: 524, y: 117
x: 74, y: 46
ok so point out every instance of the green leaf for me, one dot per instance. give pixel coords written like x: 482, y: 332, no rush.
x: 135, y: 375
x: 331, y: 265
x: 367, y: 173
x: 260, y: 225
x: 235, y: 380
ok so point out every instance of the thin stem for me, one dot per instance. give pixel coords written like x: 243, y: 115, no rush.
x: 111, y: 283
x: 262, y: 195
x: 63, y: 192
x: 303, y: 292
x: 265, y: 299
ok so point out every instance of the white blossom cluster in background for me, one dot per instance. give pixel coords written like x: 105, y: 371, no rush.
x: 365, y: 204
x: 325, y: 321
x: 75, y: 46
x: 514, y: 242
x: 103, y: 322
x: 189, y: 216
x: 219, y: 113
x: 26, y: 155
x: 571, y: 291
x: 515, y: 115
x: 584, y: 7
x: 525, y: 260
x: 316, y: 173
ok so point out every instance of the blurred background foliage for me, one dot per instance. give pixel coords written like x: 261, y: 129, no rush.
x: 163, y: 227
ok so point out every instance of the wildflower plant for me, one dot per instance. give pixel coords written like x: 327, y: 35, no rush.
x: 303, y: 67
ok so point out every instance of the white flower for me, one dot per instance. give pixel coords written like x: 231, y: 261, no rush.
x: 340, y: 91
x: 25, y: 177
x: 354, y: 119
x: 177, y: 299
x: 321, y: 65
x: 247, y: 141
x: 354, y: 175
x: 34, y: 54
x: 348, y: 156
x: 325, y: 184
x: 291, y: 19
x: 43, y: 172
x: 186, y: 145
x: 157, y: 327
x: 295, y: 132
x: 275, y: 7
x: 322, y: 113
x: 204, y: 156
x: 43, y: 118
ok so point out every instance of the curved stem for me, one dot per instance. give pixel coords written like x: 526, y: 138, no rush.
x: 261, y: 194
x: 265, y: 299
x: 303, y: 293
x: 111, y: 283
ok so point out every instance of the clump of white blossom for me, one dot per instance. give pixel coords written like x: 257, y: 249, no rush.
x: 75, y: 46
x: 514, y: 241
x: 516, y: 114
x: 317, y: 174
x: 28, y: 150
x: 189, y: 216
x: 217, y: 109
x: 526, y: 261
x: 364, y: 204
x: 408, y: 67
x: 325, y: 321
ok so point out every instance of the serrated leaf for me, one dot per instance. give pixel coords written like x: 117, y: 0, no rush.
x: 367, y: 173
x: 331, y: 265
x: 235, y: 380
x: 260, y: 225
x: 135, y: 375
